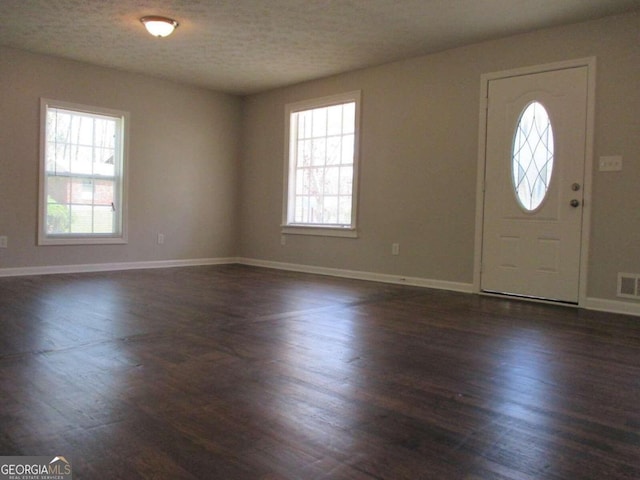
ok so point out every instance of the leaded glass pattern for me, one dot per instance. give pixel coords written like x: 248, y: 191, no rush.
x: 532, y: 156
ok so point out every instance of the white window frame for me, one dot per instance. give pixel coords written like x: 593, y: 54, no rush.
x: 332, y: 230
x: 120, y: 234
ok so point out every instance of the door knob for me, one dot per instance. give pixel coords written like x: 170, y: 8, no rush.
x: 574, y: 203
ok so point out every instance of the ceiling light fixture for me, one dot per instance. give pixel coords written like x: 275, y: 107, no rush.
x: 159, y: 26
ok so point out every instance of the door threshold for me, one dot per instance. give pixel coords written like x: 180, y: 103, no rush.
x: 528, y: 298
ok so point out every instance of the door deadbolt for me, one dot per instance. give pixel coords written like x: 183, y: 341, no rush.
x: 575, y: 187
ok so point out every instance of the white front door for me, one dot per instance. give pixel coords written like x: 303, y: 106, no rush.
x: 534, y: 183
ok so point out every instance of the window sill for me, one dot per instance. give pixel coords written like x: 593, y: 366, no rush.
x: 320, y: 231
x: 82, y: 241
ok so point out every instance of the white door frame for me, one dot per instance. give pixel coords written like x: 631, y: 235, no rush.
x: 590, y: 63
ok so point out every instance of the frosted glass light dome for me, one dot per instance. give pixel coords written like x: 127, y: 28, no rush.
x: 159, y: 26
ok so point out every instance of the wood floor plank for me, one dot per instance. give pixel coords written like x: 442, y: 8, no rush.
x: 235, y: 372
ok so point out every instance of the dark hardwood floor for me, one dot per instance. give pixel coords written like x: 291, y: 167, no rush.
x: 233, y: 372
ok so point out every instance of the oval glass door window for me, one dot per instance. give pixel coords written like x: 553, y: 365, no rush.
x: 532, y: 156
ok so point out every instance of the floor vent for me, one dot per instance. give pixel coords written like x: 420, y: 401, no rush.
x: 629, y: 285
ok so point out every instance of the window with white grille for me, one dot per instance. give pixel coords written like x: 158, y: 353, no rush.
x: 82, y: 195
x: 322, y: 165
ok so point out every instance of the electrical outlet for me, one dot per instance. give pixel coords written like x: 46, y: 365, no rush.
x: 612, y: 163
x: 395, y: 249
x: 161, y: 239
x: 4, y: 241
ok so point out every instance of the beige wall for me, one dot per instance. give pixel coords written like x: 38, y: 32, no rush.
x: 206, y: 169
x: 419, y: 158
x: 182, y: 162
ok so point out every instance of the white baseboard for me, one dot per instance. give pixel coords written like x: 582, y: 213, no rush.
x: 613, y: 306
x: 108, y: 267
x: 599, y: 304
x: 610, y: 306
x: 361, y: 275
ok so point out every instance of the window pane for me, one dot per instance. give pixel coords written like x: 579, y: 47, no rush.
x: 331, y: 180
x: 300, y: 185
x: 50, y: 125
x: 59, y: 157
x: 104, y: 192
x: 81, y: 159
x: 105, y: 133
x: 330, y: 211
x: 303, y: 209
x: 104, y: 162
x: 315, y: 209
x: 81, y: 191
x: 334, y: 120
x: 102, y: 220
x: 304, y: 152
x: 297, y: 215
x: 81, y: 218
x: 347, y: 149
x: 319, y: 122
x: 58, y: 217
x: 61, y: 124
x: 315, y: 181
x: 50, y: 158
x: 304, y: 124
x: 319, y: 152
x: 59, y: 189
x: 349, y: 118
x: 346, y: 180
x: 344, y: 210
x: 334, y: 150
x: 82, y: 129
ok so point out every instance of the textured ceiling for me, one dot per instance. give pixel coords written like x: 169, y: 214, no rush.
x: 247, y: 46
